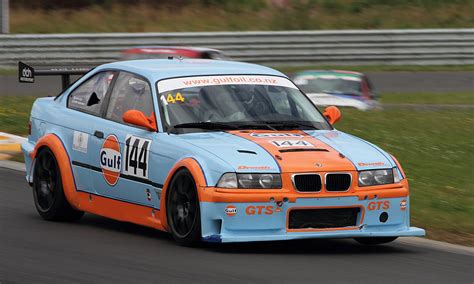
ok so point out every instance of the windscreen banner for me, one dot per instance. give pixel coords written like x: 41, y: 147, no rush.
x: 200, y: 81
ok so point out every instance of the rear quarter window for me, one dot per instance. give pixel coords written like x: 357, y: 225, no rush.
x: 90, y: 95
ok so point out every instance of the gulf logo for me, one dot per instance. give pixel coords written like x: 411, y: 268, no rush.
x: 403, y: 205
x: 111, y: 160
x: 231, y: 210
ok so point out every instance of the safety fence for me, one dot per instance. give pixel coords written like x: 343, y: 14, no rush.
x: 341, y: 47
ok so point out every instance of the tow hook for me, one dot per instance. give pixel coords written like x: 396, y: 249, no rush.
x: 279, y: 203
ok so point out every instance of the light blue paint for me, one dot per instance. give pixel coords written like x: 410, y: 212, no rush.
x: 243, y: 228
x: 215, y: 152
x: 355, y: 149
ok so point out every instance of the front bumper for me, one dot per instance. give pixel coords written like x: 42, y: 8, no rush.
x: 267, y: 221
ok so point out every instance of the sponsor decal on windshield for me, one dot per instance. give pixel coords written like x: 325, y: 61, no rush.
x: 188, y: 82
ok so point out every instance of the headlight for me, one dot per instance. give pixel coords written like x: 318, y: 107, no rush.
x: 233, y: 180
x: 397, y: 175
x: 228, y: 180
x: 379, y: 177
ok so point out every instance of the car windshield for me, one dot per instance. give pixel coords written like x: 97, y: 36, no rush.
x: 347, y: 85
x: 213, y: 103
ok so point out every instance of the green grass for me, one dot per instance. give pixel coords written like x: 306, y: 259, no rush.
x: 18, y: 157
x: 8, y: 71
x: 463, y: 98
x: 174, y: 16
x: 435, y: 148
x: 14, y: 114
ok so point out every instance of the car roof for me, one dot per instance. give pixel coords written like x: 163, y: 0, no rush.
x: 158, y: 69
x: 330, y: 72
x: 177, y: 48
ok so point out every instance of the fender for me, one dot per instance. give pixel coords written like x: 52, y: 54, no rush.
x: 399, y: 166
x: 110, y: 208
x: 56, y: 146
x: 196, y: 171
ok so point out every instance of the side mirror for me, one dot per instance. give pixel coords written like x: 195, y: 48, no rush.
x: 138, y: 118
x: 332, y: 113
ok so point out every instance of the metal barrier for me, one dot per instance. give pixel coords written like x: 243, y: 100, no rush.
x: 341, y: 47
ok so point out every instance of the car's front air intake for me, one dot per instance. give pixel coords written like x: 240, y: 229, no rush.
x: 323, y: 218
x: 307, y: 182
x: 338, y: 182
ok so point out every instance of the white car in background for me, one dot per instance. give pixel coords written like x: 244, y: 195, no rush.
x: 337, y: 88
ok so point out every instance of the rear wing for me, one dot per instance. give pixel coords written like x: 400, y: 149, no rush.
x: 26, y: 73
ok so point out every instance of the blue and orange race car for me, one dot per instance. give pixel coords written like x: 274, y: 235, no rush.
x: 208, y: 150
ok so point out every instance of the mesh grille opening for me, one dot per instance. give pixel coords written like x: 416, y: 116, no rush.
x: 323, y: 218
x: 338, y: 182
x: 308, y: 183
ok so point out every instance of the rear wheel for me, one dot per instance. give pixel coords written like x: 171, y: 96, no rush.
x: 375, y: 240
x: 48, y: 194
x: 182, y: 208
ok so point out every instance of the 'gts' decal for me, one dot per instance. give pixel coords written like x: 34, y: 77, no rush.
x: 261, y: 209
x: 137, y: 153
x: 377, y: 205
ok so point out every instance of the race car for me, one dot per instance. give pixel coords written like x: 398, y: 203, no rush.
x: 213, y: 151
x: 338, y: 88
x: 163, y: 52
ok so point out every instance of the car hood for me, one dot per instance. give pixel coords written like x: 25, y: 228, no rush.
x: 290, y: 151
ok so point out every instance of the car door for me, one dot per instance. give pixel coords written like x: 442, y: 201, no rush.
x: 85, y: 105
x: 123, y: 152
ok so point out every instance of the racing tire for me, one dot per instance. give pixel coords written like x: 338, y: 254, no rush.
x: 371, y: 241
x: 48, y: 192
x: 182, y: 209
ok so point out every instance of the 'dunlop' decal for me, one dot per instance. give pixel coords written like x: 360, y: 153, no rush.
x: 111, y: 159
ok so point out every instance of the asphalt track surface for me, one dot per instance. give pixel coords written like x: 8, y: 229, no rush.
x: 397, y: 82
x: 97, y: 250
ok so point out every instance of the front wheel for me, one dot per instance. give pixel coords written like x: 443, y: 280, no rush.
x: 48, y: 193
x: 182, y: 208
x: 370, y: 241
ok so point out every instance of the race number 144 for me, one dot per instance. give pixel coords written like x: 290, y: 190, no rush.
x: 137, y: 154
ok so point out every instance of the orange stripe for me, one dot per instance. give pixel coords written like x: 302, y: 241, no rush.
x: 328, y: 160
x: 106, y: 207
